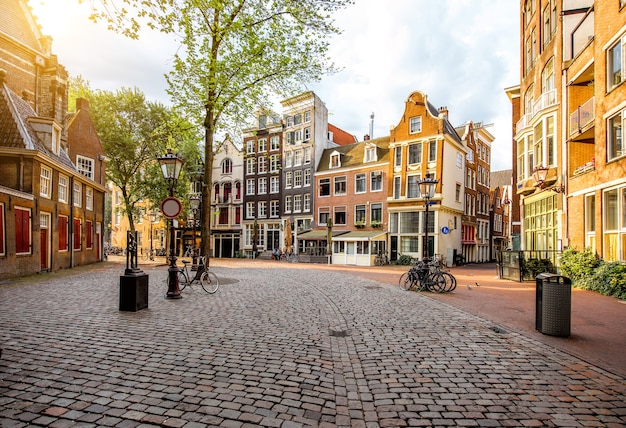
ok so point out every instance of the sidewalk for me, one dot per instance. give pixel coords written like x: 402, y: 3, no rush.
x: 598, y: 323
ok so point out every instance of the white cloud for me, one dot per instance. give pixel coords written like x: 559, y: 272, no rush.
x: 461, y: 53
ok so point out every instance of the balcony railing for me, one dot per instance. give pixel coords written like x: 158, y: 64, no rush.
x: 547, y: 99
x: 581, y: 117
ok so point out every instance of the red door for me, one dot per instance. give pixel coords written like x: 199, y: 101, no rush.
x: 43, y: 248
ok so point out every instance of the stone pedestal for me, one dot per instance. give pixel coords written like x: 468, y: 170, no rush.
x: 133, y: 292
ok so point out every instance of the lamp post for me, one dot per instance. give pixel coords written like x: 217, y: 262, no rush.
x: 194, y: 202
x: 152, y: 216
x: 427, y: 190
x: 171, y: 166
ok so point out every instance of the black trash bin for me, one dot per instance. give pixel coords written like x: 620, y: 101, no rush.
x: 553, y: 304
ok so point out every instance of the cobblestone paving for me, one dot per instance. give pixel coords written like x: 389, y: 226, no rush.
x: 278, y: 346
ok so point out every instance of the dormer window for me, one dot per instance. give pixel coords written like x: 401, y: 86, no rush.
x: 370, y: 154
x: 335, y: 160
x: 415, y: 125
x: 85, y: 166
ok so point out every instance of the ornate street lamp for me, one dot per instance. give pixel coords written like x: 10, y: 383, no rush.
x: 171, y: 166
x: 427, y: 190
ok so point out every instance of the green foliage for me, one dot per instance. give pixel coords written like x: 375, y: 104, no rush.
x: 589, y: 272
x: 533, y: 267
x: 133, y: 132
x: 577, y: 265
x: 405, y: 260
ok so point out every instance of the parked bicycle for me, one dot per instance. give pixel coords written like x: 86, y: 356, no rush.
x: 289, y: 257
x: 190, y: 251
x: 148, y: 254
x: 381, y: 259
x: 207, y: 279
x: 428, y: 275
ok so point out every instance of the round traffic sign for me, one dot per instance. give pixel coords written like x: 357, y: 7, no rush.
x: 171, y: 207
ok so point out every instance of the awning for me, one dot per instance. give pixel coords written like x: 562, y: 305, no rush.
x: 319, y: 234
x: 361, y: 236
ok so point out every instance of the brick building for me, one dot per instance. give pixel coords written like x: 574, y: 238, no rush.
x: 52, y: 165
x: 568, y: 148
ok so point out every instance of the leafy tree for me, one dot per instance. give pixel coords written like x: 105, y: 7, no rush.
x: 235, y: 56
x: 133, y: 132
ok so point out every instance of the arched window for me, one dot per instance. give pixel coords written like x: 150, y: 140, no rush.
x: 547, y: 77
x: 228, y: 189
x: 227, y: 166
x: 238, y: 190
x: 529, y: 99
x: 216, y: 192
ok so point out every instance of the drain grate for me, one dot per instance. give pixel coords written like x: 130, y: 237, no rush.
x: 499, y: 330
x: 338, y: 332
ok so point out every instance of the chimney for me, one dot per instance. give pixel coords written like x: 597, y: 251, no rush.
x: 443, y: 112
x: 82, y: 104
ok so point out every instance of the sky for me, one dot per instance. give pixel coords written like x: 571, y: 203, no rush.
x: 461, y: 53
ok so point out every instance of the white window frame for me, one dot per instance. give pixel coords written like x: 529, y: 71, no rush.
x: 415, y: 125
x: 78, y: 194
x: 63, y: 188
x: 89, y: 198
x: 45, y: 182
x: 611, y: 77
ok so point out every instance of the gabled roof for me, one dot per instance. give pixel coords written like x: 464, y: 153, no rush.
x: 16, y: 131
x: 340, y: 136
x: 501, y: 178
x: 17, y: 22
x: 352, y: 154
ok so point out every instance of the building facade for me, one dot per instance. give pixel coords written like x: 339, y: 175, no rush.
x: 425, y: 145
x: 568, y: 144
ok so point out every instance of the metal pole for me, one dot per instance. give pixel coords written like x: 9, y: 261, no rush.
x: 173, y: 289
x: 151, y: 236
x: 425, y: 250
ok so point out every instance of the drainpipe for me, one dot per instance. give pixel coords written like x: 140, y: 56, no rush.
x: 71, y: 222
x: 564, y: 156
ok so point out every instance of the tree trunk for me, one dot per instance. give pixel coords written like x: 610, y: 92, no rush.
x: 205, y: 229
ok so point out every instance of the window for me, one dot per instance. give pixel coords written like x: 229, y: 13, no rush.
x: 370, y: 154
x: 547, y: 78
x: 288, y: 159
x: 89, y: 234
x: 288, y: 207
x: 307, y: 116
x: 77, y: 234
x: 590, y: 222
x: 250, y: 186
x: 360, y: 183
x: 45, y: 182
x: 288, y: 180
x: 274, y: 185
x: 376, y: 182
x: 85, y: 166
x: 89, y: 198
x: 262, y: 164
x: 78, y: 195
x: 274, y: 143
x: 274, y: 163
x: 250, y: 147
x: 274, y: 209
x: 63, y: 195
x: 415, y: 125
x: 340, y: 185
x: 227, y: 166
x: 457, y: 194
x: 297, y: 119
x: 340, y: 216
x: 412, y: 186
x: 297, y: 158
x: 335, y: 160
x: 22, y: 230
x: 262, y: 209
x: 359, y: 214
x: 297, y: 178
x: 323, y: 215
x: 306, y: 202
x: 249, y: 209
x: 306, y: 133
x: 238, y: 190
x: 297, y: 203
x: 250, y: 166
x: 409, y: 222
x: 615, y: 65
x: 615, y: 140
x: 397, y: 155
x: 307, y: 155
x: 237, y: 215
x: 415, y: 153
x: 262, y: 145
x: 223, y: 215
x: 376, y: 213
x: 324, y: 186
x: 307, y: 177
x: 262, y: 186
x: 432, y: 151
x: 397, y: 184
x: 614, y: 224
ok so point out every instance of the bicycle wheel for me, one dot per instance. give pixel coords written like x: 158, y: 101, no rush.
x: 209, y: 282
x: 406, y: 281
x: 436, y: 282
x: 294, y: 258
x: 450, y: 282
x: 182, y: 280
